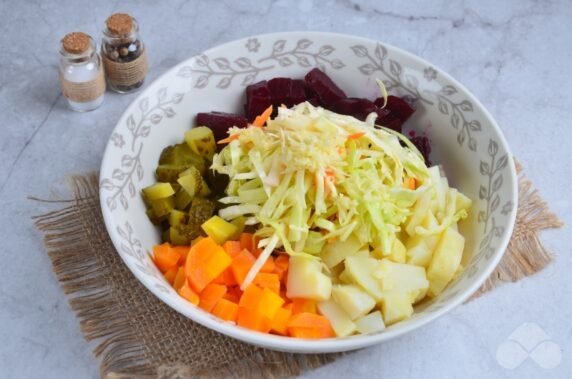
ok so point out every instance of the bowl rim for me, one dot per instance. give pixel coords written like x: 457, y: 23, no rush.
x: 330, y: 345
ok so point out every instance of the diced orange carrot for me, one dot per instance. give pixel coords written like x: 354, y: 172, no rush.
x: 412, y: 183
x: 226, y: 278
x: 268, y: 304
x: 182, y: 251
x: 309, y: 325
x: 206, y: 260
x: 268, y: 265
x: 233, y: 294
x: 211, y: 295
x: 170, y: 275
x: 165, y: 257
x: 252, y: 320
x: 180, y: 279
x: 356, y: 136
x: 281, y: 266
x: 280, y: 321
x: 266, y: 280
x: 226, y: 310
x: 232, y: 248
x: 241, y: 265
x: 289, y: 306
x: 251, y: 297
x: 303, y: 306
x: 247, y: 241
x: 186, y: 292
x: 229, y: 138
x: 259, y: 121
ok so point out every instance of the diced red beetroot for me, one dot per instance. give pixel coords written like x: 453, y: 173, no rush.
x: 286, y: 91
x: 280, y: 90
x: 258, y: 98
x: 298, y: 94
x: 422, y: 143
x: 386, y: 118
x: 310, y: 95
x: 351, y: 106
x: 397, y: 106
x: 327, y: 91
x: 220, y: 122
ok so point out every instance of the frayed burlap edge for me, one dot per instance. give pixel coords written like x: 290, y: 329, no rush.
x: 122, y: 353
x: 83, y: 279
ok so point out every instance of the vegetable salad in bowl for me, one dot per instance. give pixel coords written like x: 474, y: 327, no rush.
x: 311, y: 217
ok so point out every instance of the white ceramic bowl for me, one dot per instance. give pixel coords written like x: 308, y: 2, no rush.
x: 464, y: 136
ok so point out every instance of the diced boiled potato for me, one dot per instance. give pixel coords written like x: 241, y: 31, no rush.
x: 335, y: 273
x: 403, y: 278
x: 462, y: 201
x: 398, y: 251
x: 441, y: 188
x: 422, y: 206
x: 446, y: 260
x: 344, y: 277
x: 371, y: 323
x: 218, y: 229
x: 337, y: 251
x: 360, y: 270
x: 306, y: 280
x: 354, y: 300
x: 454, y: 226
x: 396, y: 306
x: 340, y: 321
x: 420, y: 249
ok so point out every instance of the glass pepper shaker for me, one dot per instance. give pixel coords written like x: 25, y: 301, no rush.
x: 81, y: 72
x: 123, y: 53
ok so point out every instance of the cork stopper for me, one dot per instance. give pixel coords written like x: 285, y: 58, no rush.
x: 119, y: 24
x: 76, y: 42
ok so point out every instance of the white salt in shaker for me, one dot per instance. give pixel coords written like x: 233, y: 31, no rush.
x: 81, y: 72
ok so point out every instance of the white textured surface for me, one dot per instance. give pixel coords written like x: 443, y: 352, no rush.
x: 514, y: 55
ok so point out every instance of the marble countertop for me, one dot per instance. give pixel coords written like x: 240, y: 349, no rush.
x: 513, y: 55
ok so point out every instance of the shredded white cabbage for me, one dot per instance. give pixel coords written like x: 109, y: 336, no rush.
x: 312, y: 170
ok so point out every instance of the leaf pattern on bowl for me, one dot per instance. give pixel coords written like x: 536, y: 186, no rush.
x: 302, y: 55
x: 121, y: 184
x: 133, y: 248
x: 223, y: 69
x: 396, y: 77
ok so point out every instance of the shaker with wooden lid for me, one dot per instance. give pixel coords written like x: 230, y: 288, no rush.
x: 81, y: 72
x: 123, y: 53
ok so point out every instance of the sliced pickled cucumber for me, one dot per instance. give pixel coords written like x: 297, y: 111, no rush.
x: 169, y: 172
x: 201, y: 141
x: 201, y: 210
x: 165, y: 237
x: 176, y: 237
x: 177, y: 218
x: 182, y: 199
x: 192, y: 181
x: 154, y: 219
x: 158, y: 191
x: 182, y: 155
x: 162, y: 207
x: 239, y: 222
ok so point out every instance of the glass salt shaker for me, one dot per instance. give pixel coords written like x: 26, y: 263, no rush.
x: 123, y: 53
x: 81, y: 72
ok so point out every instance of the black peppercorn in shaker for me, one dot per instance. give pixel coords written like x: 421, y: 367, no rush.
x: 123, y: 53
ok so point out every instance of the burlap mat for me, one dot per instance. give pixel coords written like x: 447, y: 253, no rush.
x: 139, y: 336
